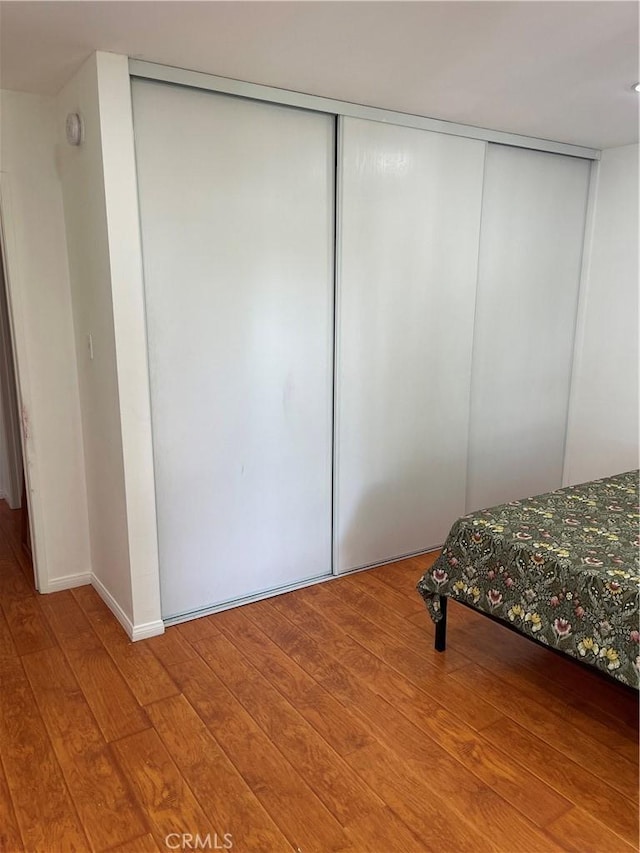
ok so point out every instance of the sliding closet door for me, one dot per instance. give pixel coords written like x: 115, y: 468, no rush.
x: 236, y: 203
x: 409, y: 230
x: 530, y: 256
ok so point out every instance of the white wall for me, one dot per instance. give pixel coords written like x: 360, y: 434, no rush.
x: 88, y: 252
x: 101, y: 215
x: 39, y: 293
x: 602, y: 437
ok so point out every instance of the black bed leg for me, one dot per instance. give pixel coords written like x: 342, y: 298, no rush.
x: 441, y: 626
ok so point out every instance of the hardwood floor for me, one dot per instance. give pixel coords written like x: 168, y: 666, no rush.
x: 317, y: 721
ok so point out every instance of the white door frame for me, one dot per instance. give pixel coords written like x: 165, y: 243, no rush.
x: 17, y: 322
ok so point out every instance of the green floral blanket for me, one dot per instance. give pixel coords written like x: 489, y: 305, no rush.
x: 562, y: 568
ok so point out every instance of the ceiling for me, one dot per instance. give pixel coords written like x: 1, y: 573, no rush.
x: 556, y: 70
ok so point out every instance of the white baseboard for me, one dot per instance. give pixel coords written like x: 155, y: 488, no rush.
x: 112, y: 604
x: 147, y: 629
x: 134, y: 632
x: 67, y: 582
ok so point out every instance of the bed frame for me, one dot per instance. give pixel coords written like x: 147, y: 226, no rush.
x: 561, y: 569
x: 440, y: 643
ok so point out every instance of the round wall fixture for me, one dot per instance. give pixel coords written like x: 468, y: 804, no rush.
x: 75, y: 129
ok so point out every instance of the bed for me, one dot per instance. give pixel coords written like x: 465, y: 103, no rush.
x: 561, y: 568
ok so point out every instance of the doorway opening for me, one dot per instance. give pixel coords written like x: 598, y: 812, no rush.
x: 15, y: 528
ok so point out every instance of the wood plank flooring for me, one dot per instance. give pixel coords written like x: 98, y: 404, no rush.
x: 318, y: 721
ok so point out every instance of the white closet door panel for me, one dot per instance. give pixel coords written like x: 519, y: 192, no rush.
x: 236, y: 205
x: 529, y: 270
x: 410, y: 219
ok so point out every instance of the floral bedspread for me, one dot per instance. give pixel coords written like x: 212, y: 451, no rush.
x: 563, y: 568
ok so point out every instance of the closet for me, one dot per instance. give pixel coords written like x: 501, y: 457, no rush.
x: 357, y: 331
